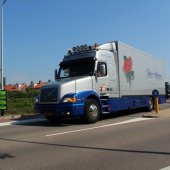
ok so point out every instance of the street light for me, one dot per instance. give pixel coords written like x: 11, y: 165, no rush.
x: 2, y: 43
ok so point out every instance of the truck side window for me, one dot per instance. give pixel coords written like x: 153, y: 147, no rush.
x: 101, y: 69
x: 65, y: 72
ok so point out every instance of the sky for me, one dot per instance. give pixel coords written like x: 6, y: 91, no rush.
x: 38, y: 33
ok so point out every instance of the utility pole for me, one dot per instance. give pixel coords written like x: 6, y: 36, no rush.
x: 2, y: 43
x: 3, y: 103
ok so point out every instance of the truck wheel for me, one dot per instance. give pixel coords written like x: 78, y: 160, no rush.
x: 151, y: 105
x: 92, y: 111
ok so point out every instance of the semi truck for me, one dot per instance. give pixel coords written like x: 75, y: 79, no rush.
x: 101, y: 79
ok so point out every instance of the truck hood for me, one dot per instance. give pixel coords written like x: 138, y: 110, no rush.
x: 71, y: 85
x: 65, y: 81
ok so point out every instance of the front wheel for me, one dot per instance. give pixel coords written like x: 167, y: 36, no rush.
x: 92, y: 111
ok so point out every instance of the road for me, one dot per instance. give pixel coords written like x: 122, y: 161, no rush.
x: 120, y: 142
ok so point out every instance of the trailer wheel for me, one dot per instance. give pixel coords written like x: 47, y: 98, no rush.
x: 92, y: 111
x: 150, y: 105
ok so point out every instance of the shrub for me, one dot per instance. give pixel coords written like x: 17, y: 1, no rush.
x: 18, y: 94
x: 21, y: 102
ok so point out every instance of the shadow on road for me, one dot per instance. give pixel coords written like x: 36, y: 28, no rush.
x: 84, y: 147
x: 80, y: 120
x: 5, y: 156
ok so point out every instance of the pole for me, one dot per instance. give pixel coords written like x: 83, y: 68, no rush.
x: 156, y: 104
x: 2, y: 44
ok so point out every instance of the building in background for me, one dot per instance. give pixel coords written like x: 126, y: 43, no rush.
x: 36, y: 86
x: 16, y: 87
x: 23, y: 87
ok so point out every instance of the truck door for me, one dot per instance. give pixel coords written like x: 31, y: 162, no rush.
x: 106, y: 75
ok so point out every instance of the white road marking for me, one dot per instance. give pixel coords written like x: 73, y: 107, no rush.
x: 21, y: 122
x: 166, y: 168
x: 103, y: 126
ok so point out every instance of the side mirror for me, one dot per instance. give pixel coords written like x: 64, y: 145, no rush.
x: 55, y: 74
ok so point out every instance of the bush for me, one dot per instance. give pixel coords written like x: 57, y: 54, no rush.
x: 18, y: 94
x: 21, y: 102
x: 20, y: 106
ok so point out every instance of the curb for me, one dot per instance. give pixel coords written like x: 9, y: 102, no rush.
x: 161, y: 113
x: 10, y: 118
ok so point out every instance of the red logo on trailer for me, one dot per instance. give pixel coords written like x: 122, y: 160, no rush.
x: 127, y: 69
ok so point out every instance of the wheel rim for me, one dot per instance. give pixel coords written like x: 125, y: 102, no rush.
x: 150, y: 103
x: 93, y: 111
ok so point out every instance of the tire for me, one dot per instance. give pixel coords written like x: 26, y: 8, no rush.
x: 150, y: 107
x: 92, y: 111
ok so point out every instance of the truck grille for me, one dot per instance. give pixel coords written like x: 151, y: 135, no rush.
x: 49, y: 95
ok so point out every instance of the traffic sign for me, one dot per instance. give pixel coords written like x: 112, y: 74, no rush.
x: 3, y: 100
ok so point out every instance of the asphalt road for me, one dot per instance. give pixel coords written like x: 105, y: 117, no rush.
x: 115, y: 143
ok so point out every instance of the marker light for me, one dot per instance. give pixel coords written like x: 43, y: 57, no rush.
x: 90, y: 47
x: 81, y: 48
x: 74, y: 49
x: 78, y: 48
x: 69, y: 51
x: 95, y: 45
x: 85, y: 46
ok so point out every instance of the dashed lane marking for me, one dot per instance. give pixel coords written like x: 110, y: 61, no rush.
x: 103, y: 126
x: 166, y: 168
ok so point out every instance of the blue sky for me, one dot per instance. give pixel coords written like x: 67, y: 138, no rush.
x: 37, y: 33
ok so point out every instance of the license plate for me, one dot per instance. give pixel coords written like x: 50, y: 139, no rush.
x: 49, y: 114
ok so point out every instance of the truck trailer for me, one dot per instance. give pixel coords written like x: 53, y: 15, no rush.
x: 100, y: 79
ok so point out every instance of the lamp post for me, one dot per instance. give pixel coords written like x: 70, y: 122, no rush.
x: 2, y: 43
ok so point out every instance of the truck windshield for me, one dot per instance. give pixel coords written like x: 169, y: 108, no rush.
x: 74, y: 69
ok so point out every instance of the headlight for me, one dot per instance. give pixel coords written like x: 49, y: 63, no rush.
x: 69, y: 99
